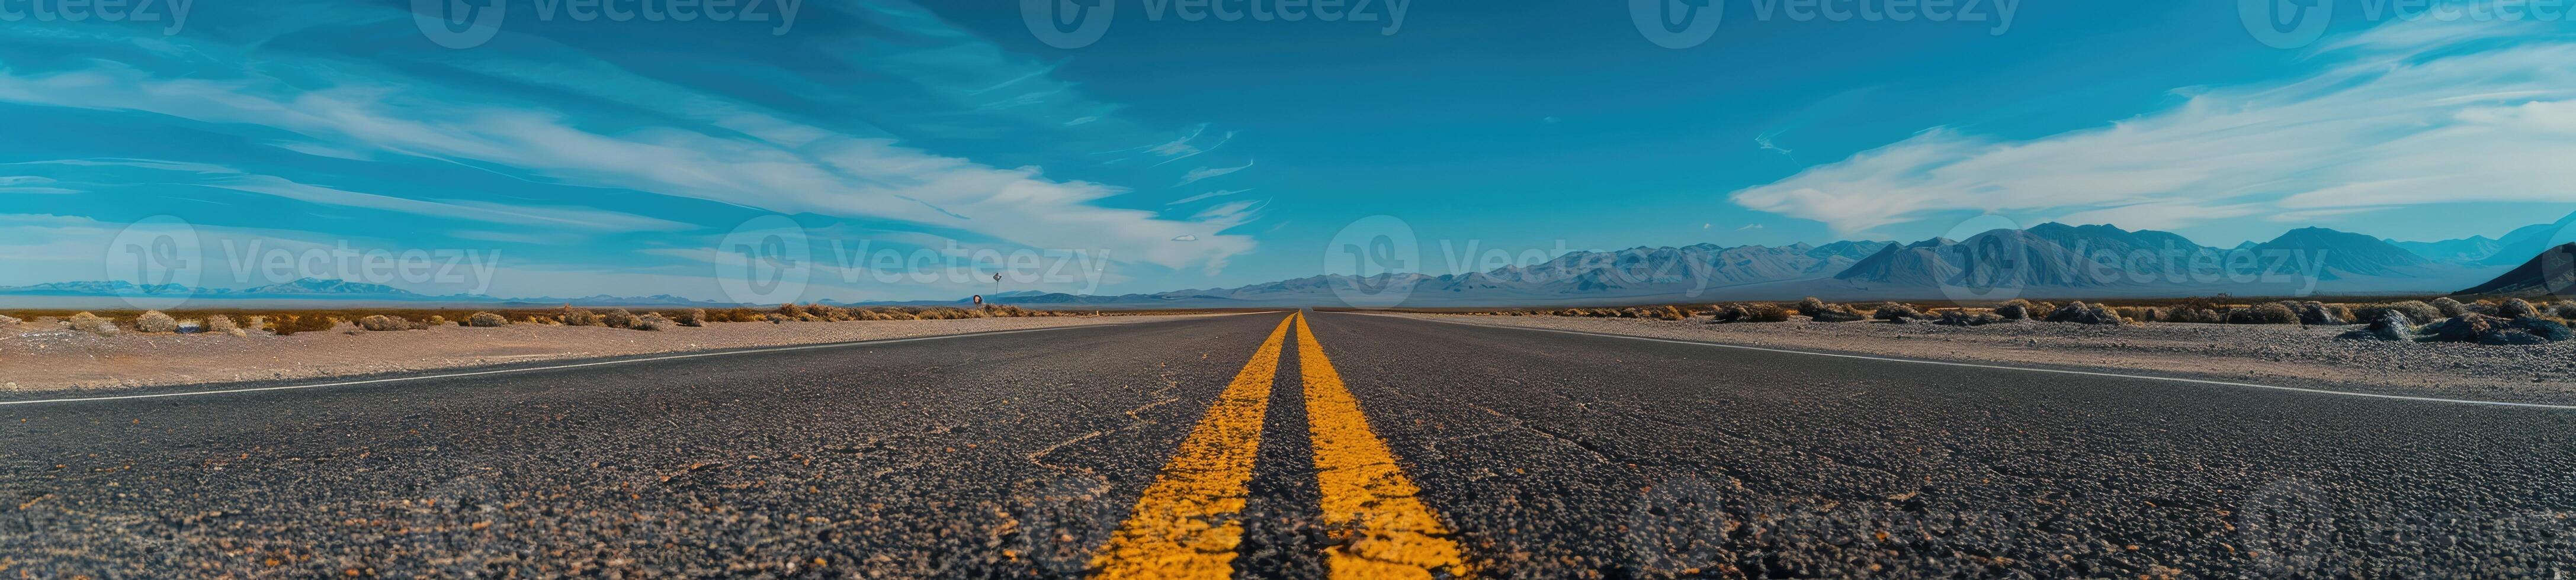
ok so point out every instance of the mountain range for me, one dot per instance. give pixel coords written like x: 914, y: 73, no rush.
x: 2046, y: 261
x: 2049, y: 260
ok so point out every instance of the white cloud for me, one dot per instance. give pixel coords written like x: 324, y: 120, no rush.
x: 2409, y: 116
x: 221, y: 177
x: 781, y: 167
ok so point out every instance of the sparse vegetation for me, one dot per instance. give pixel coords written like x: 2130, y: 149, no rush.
x: 2014, y: 309
x: 617, y: 318
x: 2265, y: 313
x: 289, y: 324
x: 650, y: 321
x: 223, y: 324
x: 2516, y: 308
x: 91, y: 323
x: 691, y: 317
x: 1811, y: 306
x: 1966, y: 318
x: 577, y: 317
x: 2081, y: 313
x: 153, y: 321
x: 485, y: 320
x: 1898, y: 313
x: 1838, y: 313
x: 383, y: 323
x: 2449, y: 308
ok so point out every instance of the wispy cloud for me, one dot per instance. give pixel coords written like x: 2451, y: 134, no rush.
x: 780, y: 166
x: 1204, y: 173
x: 1208, y: 195
x: 2409, y: 113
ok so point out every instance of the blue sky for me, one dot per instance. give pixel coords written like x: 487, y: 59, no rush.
x: 587, y: 155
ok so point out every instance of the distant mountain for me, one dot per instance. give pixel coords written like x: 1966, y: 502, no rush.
x: 2518, y: 246
x: 100, y: 287
x: 2552, y: 273
x: 320, y: 286
x: 2470, y: 250
x: 2048, y: 260
x: 1701, y: 266
x: 2347, y: 255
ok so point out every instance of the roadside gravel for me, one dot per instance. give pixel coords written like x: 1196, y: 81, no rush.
x: 2286, y: 355
x: 51, y: 360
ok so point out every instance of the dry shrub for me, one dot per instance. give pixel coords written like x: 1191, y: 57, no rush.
x: 2016, y: 309
x: 691, y: 317
x: 383, y: 323
x: 2449, y: 308
x: 650, y: 321
x: 1811, y: 306
x: 91, y: 323
x: 485, y: 320
x: 617, y: 318
x: 153, y: 321
x: 223, y: 324
x: 289, y: 324
x: 1766, y: 313
x: 1838, y: 313
x: 2415, y: 311
x: 791, y: 310
x: 1894, y: 312
x: 2080, y: 313
x: 577, y: 316
x: 774, y: 318
x: 2564, y: 309
x: 2265, y: 313
x: 2516, y: 308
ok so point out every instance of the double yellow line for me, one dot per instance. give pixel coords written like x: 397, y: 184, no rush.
x: 1186, y: 527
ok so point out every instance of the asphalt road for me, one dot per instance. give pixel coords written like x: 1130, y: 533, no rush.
x: 1398, y: 447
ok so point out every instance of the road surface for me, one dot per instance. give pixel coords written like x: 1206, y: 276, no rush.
x: 1255, y: 446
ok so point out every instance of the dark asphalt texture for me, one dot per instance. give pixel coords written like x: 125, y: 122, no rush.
x: 1549, y: 454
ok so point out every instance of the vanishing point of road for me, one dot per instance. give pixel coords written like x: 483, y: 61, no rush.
x: 1283, y: 445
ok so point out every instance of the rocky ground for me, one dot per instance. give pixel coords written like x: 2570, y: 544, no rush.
x: 36, y: 358
x: 2287, y: 355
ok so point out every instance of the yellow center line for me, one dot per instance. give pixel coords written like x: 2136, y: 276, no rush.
x: 1380, y: 529
x: 1184, y: 526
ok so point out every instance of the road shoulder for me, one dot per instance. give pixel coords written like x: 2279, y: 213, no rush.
x: 2270, y: 355
x: 65, y: 363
